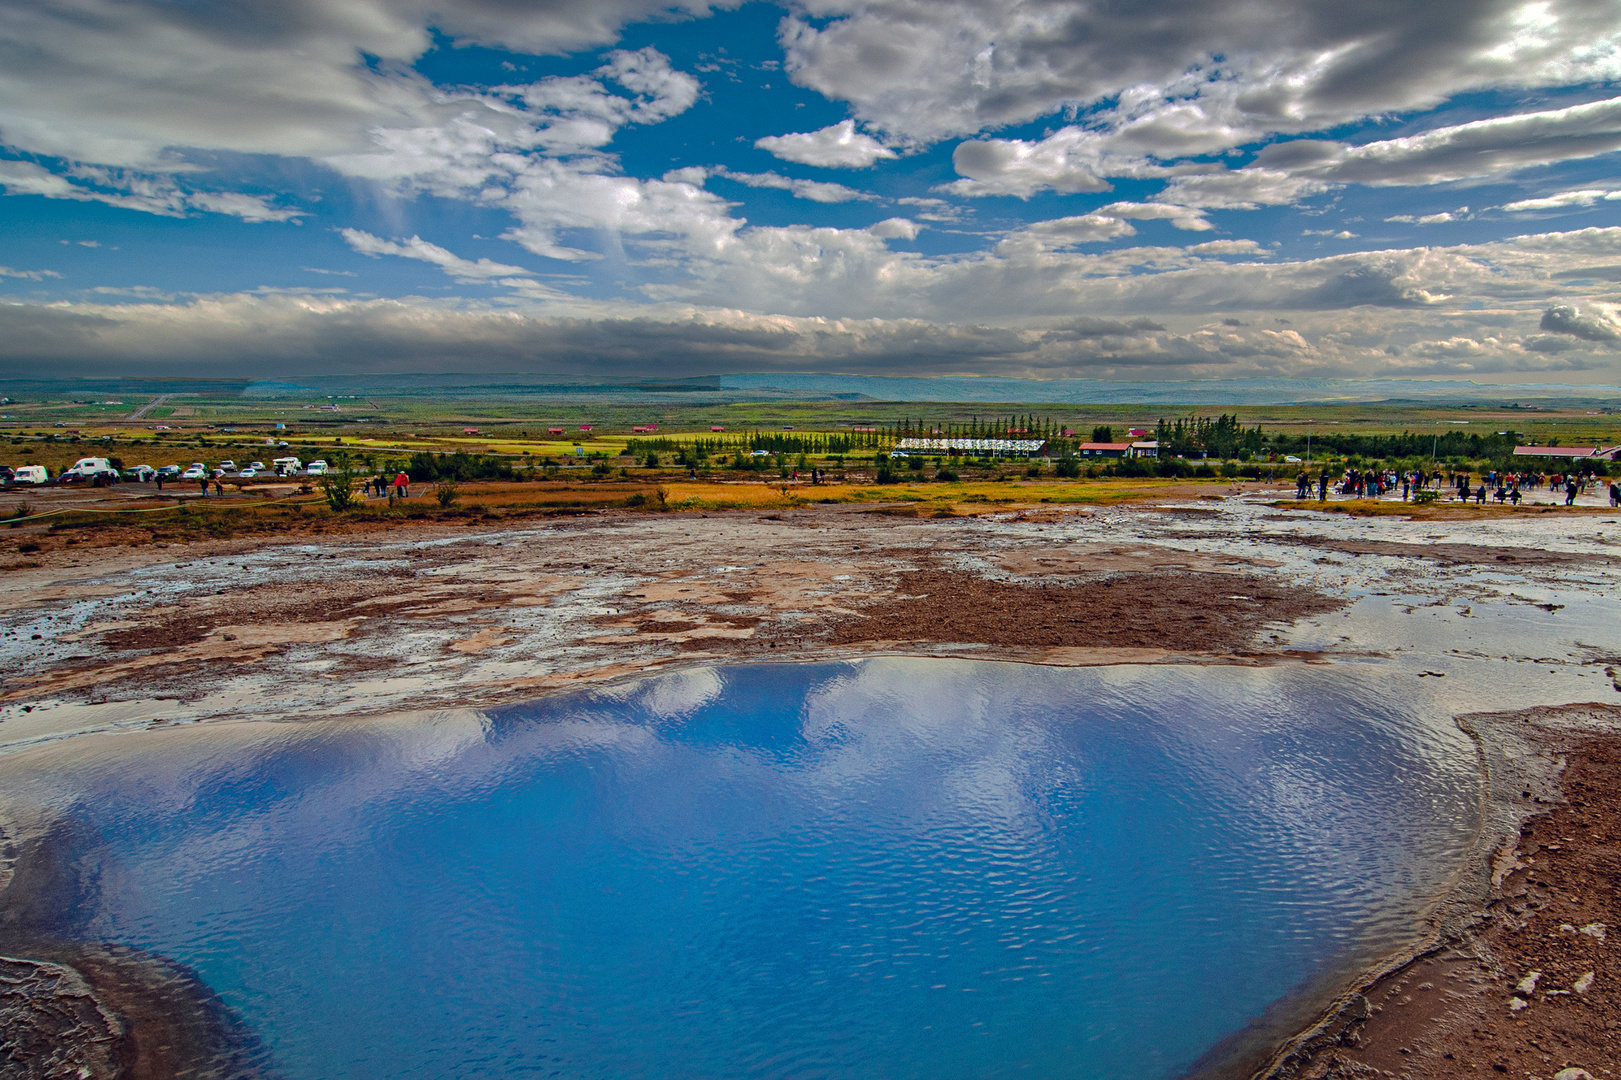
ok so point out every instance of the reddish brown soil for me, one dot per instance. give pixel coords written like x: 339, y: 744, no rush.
x: 1451, y: 1014
x: 1212, y: 612
x: 1445, y: 554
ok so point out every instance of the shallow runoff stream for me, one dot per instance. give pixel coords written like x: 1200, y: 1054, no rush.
x: 891, y: 867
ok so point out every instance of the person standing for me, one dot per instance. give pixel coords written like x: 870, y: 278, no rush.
x: 402, y: 484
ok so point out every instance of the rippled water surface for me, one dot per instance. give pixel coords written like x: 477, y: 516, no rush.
x: 893, y: 868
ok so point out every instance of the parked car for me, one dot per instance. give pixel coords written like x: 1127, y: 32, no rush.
x: 196, y: 472
x: 167, y: 471
x: 258, y: 465
x: 898, y: 454
x: 249, y: 473
x: 226, y: 466
x: 89, y: 468
x: 32, y: 474
x: 141, y: 474
x: 759, y: 453
x: 316, y: 468
x: 287, y: 466
x: 7, y: 474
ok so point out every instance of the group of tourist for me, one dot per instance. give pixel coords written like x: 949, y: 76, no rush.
x: 1501, y: 487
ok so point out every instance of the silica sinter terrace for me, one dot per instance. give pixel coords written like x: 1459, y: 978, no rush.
x: 891, y: 868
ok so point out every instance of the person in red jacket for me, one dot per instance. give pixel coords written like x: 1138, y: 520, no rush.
x: 402, y: 484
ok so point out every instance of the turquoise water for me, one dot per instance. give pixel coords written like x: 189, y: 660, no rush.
x: 893, y: 868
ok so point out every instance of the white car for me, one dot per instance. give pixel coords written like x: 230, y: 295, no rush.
x: 196, y: 472
x: 258, y: 465
x: 316, y: 468
x: 760, y: 453
x: 898, y: 454
x: 1291, y: 459
x: 226, y: 466
x: 249, y: 473
x: 141, y: 474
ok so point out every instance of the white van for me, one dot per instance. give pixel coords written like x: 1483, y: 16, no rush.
x: 32, y: 474
x: 88, y: 468
x: 286, y: 466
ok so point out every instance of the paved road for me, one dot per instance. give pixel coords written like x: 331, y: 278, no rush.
x: 144, y: 409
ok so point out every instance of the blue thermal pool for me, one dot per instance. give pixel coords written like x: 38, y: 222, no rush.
x: 888, y: 868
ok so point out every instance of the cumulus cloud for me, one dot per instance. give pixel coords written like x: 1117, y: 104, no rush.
x: 1603, y: 323
x: 850, y: 302
x: 1182, y: 78
x: 128, y: 82
x: 1067, y: 162
x: 1182, y: 217
x: 840, y: 146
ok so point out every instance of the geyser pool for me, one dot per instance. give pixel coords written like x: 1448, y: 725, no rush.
x: 888, y: 868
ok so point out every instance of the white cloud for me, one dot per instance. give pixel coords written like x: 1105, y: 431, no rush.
x: 28, y: 275
x: 895, y: 228
x: 463, y: 270
x: 1185, y: 218
x: 1067, y: 162
x: 840, y: 146
x: 1067, y: 232
x: 246, y: 207
x: 128, y: 82
x: 1285, y: 172
x: 135, y: 191
x: 1429, y: 219
x: 1565, y: 199
x: 1230, y: 247
x: 814, y: 190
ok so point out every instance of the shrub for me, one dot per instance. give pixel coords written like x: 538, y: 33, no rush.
x: 946, y: 476
x: 1067, y: 467
x: 339, y: 488
x: 446, y: 492
x: 1033, y: 471
x: 886, y: 475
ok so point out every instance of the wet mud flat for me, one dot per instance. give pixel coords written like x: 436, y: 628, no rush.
x: 446, y: 619
x: 1521, y: 977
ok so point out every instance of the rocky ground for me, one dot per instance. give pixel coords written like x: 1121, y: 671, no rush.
x: 1488, y: 612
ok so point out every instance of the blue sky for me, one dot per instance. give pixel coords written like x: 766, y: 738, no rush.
x: 1037, y: 188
